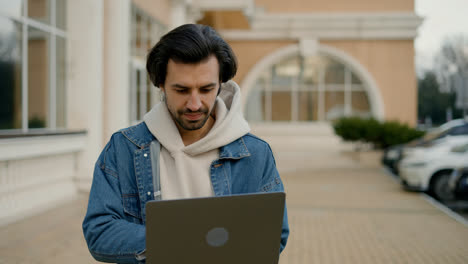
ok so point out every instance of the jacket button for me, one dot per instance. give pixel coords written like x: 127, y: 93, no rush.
x: 145, y: 155
x: 149, y: 193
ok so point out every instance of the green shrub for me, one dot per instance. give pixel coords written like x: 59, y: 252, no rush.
x: 379, y: 134
x: 371, y: 131
x: 349, y: 128
x: 36, y: 122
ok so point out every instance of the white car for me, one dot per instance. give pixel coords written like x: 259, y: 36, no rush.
x: 429, y: 168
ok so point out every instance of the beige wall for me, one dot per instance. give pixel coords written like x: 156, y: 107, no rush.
x: 159, y: 9
x: 391, y: 63
x: 301, y: 6
x: 250, y: 52
x: 225, y: 20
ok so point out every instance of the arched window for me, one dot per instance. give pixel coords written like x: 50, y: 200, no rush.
x: 313, y: 88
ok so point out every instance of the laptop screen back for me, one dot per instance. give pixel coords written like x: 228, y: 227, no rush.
x: 227, y: 229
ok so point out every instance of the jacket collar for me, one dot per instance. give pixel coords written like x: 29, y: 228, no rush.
x: 234, y: 150
x: 142, y: 137
x: 138, y: 135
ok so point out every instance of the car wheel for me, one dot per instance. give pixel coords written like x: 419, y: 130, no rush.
x: 440, y: 187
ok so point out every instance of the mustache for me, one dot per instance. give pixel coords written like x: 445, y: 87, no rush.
x: 188, y: 111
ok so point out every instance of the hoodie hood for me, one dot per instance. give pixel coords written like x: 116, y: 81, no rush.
x: 228, y: 127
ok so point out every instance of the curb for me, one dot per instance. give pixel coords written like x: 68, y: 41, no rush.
x: 432, y: 201
x: 445, y: 209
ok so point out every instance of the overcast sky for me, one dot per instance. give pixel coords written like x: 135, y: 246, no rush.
x: 441, y: 18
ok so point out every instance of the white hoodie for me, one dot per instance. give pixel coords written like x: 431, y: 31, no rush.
x: 185, y: 170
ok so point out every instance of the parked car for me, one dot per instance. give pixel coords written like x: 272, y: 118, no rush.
x: 393, y: 155
x: 429, y: 168
x: 458, y: 182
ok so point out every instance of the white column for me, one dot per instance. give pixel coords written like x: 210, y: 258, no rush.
x: 308, y: 47
x: 178, y: 13
x: 193, y: 14
x: 85, y: 83
x: 116, y: 66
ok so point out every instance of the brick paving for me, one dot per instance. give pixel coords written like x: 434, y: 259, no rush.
x: 52, y: 237
x: 341, y: 210
x: 361, y: 215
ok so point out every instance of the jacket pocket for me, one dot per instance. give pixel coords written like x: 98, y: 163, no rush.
x: 131, y: 204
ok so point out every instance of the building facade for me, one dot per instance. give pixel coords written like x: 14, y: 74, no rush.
x: 73, y: 72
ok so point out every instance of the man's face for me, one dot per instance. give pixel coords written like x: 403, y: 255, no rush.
x: 191, y: 91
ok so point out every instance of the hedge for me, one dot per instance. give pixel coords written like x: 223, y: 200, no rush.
x: 380, y: 134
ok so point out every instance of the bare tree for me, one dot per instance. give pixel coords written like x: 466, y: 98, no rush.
x: 451, y: 66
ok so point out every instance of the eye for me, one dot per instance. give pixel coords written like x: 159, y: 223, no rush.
x: 181, y: 91
x: 207, y: 90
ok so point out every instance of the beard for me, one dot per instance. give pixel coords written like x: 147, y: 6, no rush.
x: 187, y: 124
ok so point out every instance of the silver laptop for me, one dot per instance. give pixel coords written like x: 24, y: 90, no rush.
x: 228, y: 229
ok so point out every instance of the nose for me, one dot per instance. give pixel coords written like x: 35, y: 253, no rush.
x: 194, y: 102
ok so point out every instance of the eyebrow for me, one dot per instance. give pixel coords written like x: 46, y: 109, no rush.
x: 176, y: 85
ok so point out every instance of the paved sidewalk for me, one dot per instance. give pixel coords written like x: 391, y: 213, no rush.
x: 361, y: 215
x: 342, y: 209
x: 52, y: 237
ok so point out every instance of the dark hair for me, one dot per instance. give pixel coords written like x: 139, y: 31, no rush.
x: 190, y: 43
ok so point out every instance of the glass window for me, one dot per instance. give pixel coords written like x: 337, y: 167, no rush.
x: 360, y: 104
x: 287, y: 68
x: 10, y: 74
x: 308, y: 106
x: 311, y: 67
x: 355, y: 79
x: 149, y: 94
x: 12, y: 7
x: 284, y: 72
x: 143, y: 93
x: 138, y: 94
x: 334, y: 105
x: 460, y: 130
x: 38, y: 78
x: 60, y: 14
x: 281, y: 106
x: 149, y: 39
x: 39, y: 10
x: 255, y: 108
x: 334, y: 72
x: 143, y: 89
x: 138, y: 32
x: 145, y: 32
x: 313, y: 88
x: 32, y: 94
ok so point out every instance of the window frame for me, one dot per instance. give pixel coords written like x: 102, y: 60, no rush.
x: 53, y: 31
x: 140, y: 85
x: 265, y: 81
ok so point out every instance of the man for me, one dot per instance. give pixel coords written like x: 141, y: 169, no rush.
x: 206, y: 148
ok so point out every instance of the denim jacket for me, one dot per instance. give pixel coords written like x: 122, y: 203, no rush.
x: 114, y: 225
